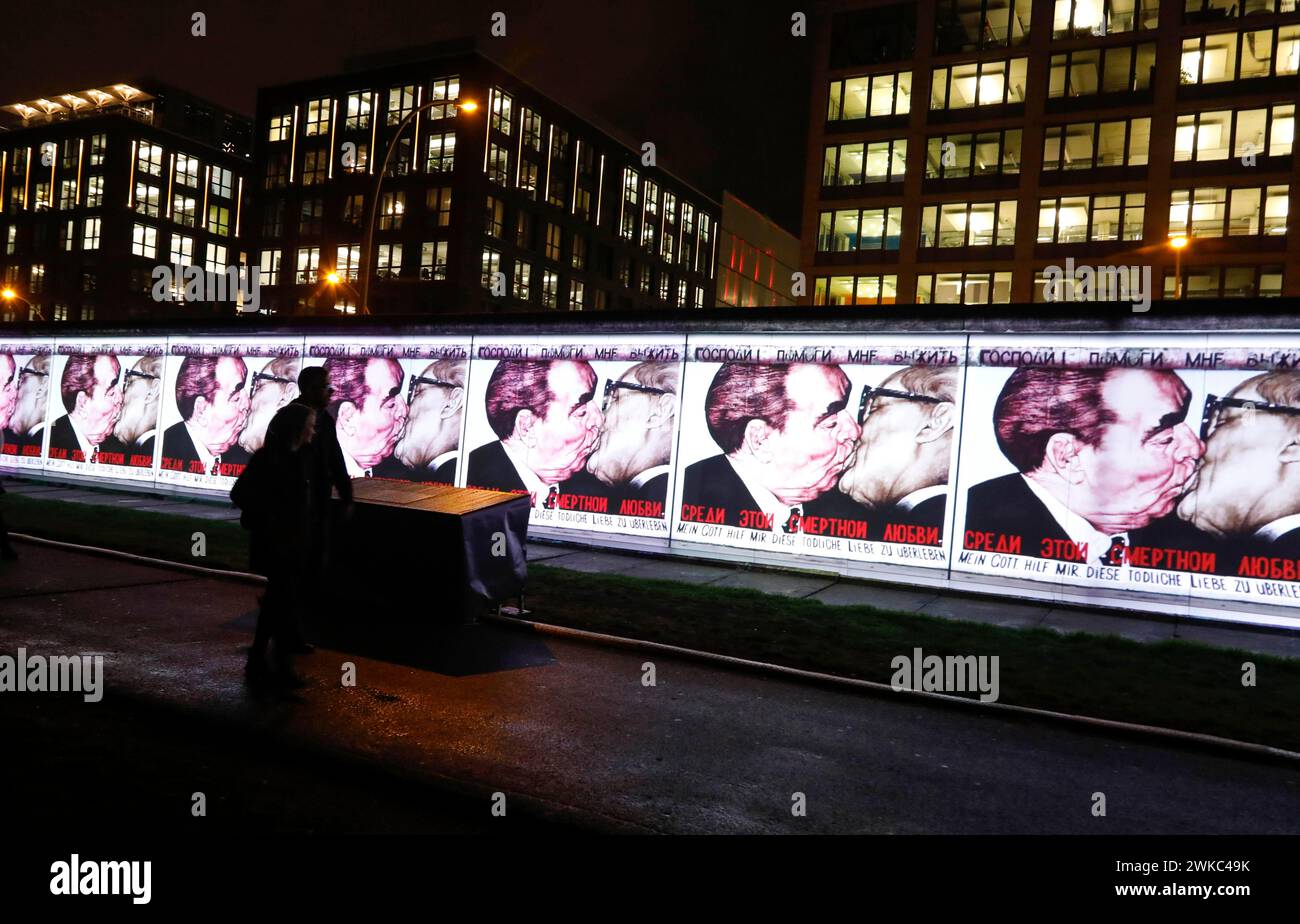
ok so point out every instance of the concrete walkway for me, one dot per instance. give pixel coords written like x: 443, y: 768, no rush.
x: 568, y: 729
x: 989, y: 610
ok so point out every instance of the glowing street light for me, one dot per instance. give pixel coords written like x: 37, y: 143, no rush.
x: 1179, y: 244
x: 10, y: 295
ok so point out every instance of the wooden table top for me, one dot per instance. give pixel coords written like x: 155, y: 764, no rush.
x: 435, y: 498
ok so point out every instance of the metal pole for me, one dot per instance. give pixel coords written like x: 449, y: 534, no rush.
x: 367, y: 242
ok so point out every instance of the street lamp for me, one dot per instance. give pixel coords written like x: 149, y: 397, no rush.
x: 334, y: 279
x: 11, y: 296
x: 1179, y: 244
x: 367, y: 243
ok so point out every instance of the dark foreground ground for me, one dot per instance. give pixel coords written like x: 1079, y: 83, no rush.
x: 569, y: 732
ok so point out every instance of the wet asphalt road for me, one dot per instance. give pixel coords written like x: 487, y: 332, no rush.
x: 439, y: 722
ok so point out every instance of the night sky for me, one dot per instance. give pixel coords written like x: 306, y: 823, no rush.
x: 720, y: 87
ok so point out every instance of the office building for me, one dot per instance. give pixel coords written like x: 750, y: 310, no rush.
x: 959, y: 148
x: 101, y: 186
x: 496, y: 198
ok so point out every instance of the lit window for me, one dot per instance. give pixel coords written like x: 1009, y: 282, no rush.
x: 1072, y: 219
x: 401, y: 103
x: 1088, y: 145
x: 187, y: 170
x: 281, y: 125
x: 531, y: 125
x: 879, y: 95
x: 433, y: 260
x: 448, y: 91
x: 216, y: 258
x: 347, y: 261
x: 358, y: 111
x: 308, y: 265
x: 223, y: 182
x: 185, y: 210
x: 1084, y: 18
x: 984, y: 83
x: 149, y: 159
x: 523, y: 281
x: 318, y: 116
x: 269, y: 270
x: 552, y: 241
x: 865, y: 162
x: 144, y: 241
x: 969, y: 25
x: 313, y: 167
x: 496, y: 217
x: 388, y: 264
x: 969, y: 224
x: 860, y: 229
x: 67, y: 194
x: 866, y: 290
x: 963, y: 289
x: 577, y: 293
x: 218, y: 219
x: 981, y: 154
x: 182, y: 250
x: 392, y: 206
x: 94, y: 192
x: 442, y: 153
x: 501, y: 105
x: 578, y: 257
x: 148, y: 200
x: 550, y: 288
x: 1120, y: 69
x: 98, y: 145
x: 498, y: 165
x: 491, y: 266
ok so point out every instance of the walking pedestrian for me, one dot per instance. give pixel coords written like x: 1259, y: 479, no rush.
x: 274, y: 494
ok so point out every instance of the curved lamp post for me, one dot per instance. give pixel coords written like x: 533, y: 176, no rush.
x: 367, y: 243
x: 9, y: 295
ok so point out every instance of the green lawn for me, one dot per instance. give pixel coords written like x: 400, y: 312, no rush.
x: 1175, y: 684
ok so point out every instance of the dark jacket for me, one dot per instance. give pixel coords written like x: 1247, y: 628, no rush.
x: 328, y: 470
x: 713, y: 482
x: 1006, y: 506
x: 274, y: 495
x: 490, y: 467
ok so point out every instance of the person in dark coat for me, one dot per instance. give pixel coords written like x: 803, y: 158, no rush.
x: 329, y: 475
x: 275, y: 494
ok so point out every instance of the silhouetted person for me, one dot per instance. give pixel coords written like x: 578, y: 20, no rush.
x: 275, y: 494
x: 329, y: 473
x: 7, y: 552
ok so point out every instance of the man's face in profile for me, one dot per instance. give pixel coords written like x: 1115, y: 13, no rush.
x: 561, y: 439
x: 33, y: 392
x: 432, y: 423
x: 887, y: 447
x: 806, y: 458
x: 624, y: 433
x: 268, y: 396
x: 8, y: 388
x: 139, y: 405
x: 377, y: 424
x: 1240, y: 462
x: 1146, y: 457
x: 226, y: 415
x: 99, y: 409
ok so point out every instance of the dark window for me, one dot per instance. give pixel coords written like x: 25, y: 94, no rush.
x: 873, y: 36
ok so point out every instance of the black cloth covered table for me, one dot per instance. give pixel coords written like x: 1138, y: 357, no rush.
x: 428, y: 548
